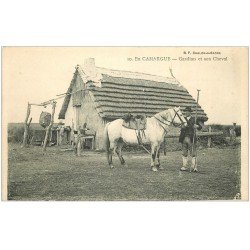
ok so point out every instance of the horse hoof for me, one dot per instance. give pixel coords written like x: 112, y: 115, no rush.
x: 125, y: 165
x: 194, y: 170
x: 154, y: 169
x: 111, y: 166
x: 160, y: 168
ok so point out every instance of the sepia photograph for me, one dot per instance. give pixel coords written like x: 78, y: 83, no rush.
x: 124, y: 123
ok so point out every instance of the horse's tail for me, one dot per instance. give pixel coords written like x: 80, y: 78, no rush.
x: 106, y: 138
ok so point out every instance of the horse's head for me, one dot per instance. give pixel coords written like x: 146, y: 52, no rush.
x: 177, y: 117
x: 171, y: 116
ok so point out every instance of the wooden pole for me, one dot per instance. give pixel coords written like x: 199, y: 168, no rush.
x: 29, y: 141
x: 50, y: 137
x: 209, y: 138
x: 79, y: 142
x: 79, y: 146
x: 195, y: 120
x: 165, y: 146
x: 26, y: 126
x: 72, y: 135
x: 57, y: 137
x: 29, y: 122
x: 49, y: 127
x: 194, y: 137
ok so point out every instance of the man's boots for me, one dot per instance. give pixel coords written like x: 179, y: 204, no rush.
x: 194, y: 164
x: 185, y: 161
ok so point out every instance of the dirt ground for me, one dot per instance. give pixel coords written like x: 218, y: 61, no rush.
x: 62, y: 176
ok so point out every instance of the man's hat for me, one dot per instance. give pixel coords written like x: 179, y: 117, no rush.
x: 188, y: 109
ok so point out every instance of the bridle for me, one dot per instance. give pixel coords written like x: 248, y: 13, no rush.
x: 172, y: 121
x: 178, y: 115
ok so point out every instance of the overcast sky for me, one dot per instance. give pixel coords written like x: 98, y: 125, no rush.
x: 38, y: 74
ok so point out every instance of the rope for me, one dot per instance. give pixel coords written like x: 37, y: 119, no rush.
x: 145, y: 149
x: 60, y: 96
x: 140, y: 143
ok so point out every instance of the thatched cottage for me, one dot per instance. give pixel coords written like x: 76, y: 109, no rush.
x: 99, y: 95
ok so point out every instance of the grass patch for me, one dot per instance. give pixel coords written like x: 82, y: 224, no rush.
x: 63, y: 176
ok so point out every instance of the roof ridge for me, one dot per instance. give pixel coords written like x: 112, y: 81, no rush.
x: 138, y: 75
x: 132, y: 75
x: 137, y: 72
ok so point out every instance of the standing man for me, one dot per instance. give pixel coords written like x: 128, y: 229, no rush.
x: 232, y: 133
x: 186, y: 138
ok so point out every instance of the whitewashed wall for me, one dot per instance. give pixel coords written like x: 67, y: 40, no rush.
x: 70, y: 115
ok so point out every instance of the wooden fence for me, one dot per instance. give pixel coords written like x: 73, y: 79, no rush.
x: 208, y: 134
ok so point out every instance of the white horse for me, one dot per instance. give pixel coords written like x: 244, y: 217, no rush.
x: 115, y: 135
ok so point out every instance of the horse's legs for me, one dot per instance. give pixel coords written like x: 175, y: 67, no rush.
x: 158, y: 164
x: 110, y: 152
x: 153, y: 156
x: 107, y: 154
x: 109, y: 157
x: 118, y: 150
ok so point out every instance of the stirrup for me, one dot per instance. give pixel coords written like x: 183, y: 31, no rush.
x: 139, y: 138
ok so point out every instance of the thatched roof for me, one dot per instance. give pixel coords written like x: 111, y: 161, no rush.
x: 119, y: 94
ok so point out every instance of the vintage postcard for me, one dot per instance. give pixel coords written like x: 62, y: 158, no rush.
x: 124, y: 123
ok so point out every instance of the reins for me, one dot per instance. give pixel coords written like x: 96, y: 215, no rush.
x: 176, y: 113
x: 163, y: 123
x: 170, y: 122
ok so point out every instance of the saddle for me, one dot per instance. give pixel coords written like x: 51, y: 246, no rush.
x: 137, y: 122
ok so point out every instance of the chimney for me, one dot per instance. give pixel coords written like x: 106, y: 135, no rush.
x: 89, y: 67
x: 91, y: 71
x: 89, y: 63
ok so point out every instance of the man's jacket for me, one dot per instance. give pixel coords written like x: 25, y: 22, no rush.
x: 188, y: 131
